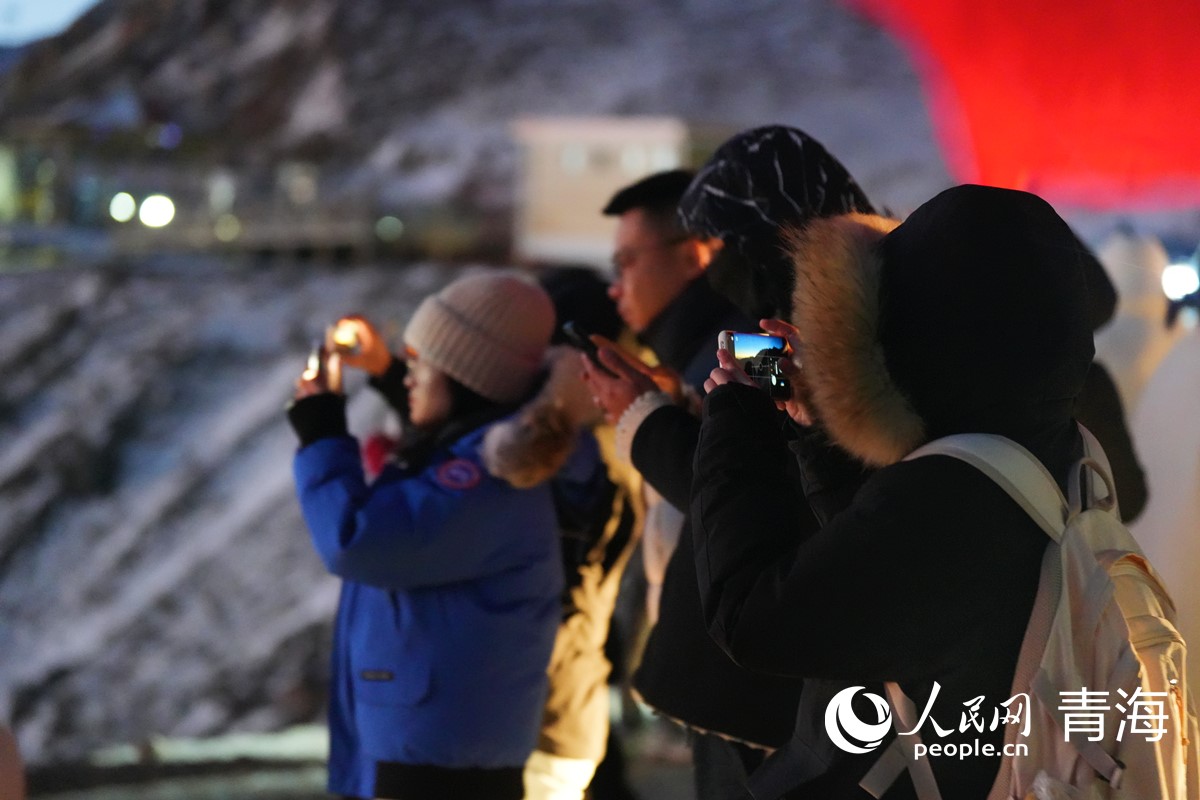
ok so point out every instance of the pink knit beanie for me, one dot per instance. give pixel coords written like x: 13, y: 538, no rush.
x: 489, y: 332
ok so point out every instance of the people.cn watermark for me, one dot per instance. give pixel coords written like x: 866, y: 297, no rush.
x: 1085, y: 713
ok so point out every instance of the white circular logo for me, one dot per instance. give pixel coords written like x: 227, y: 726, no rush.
x: 839, y: 717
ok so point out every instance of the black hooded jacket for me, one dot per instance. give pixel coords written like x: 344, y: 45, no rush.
x: 683, y: 673
x: 755, y: 183
x: 1099, y: 407
x: 968, y: 317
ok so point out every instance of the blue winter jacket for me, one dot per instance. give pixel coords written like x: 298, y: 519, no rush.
x: 449, y: 606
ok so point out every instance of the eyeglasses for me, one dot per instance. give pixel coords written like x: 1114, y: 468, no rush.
x: 626, y: 256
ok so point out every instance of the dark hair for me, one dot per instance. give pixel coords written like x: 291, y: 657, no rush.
x: 581, y: 295
x: 466, y: 403
x: 468, y: 410
x: 657, y: 196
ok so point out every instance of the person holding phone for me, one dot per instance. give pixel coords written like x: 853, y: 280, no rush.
x: 756, y: 182
x: 927, y: 575
x: 450, y: 559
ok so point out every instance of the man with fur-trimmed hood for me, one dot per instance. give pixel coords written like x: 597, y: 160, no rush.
x: 968, y: 317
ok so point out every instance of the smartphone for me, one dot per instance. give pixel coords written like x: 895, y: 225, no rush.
x: 758, y: 355
x: 344, y: 335
x: 578, y: 337
x: 323, y: 368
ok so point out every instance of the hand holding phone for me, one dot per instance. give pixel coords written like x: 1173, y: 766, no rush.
x: 579, y: 338
x: 759, y: 354
x: 323, y: 372
x: 359, y: 344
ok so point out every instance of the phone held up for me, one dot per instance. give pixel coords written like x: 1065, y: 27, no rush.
x: 758, y: 354
x: 344, y: 335
x: 324, y: 368
x: 579, y: 339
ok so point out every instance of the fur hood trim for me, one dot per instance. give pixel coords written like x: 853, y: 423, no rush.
x: 531, y: 446
x: 836, y: 306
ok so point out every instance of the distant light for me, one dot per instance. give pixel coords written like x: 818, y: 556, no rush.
x: 227, y: 228
x: 1180, y: 280
x: 222, y: 191
x: 389, y: 229
x: 122, y: 207
x: 157, y: 211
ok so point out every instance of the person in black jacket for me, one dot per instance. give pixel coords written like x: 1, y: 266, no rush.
x: 598, y: 538
x: 971, y: 316
x: 1099, y: 407
x: 755, y: 182
x: 663, y: 294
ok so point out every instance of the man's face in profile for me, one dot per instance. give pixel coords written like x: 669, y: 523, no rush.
x: 650, y: 268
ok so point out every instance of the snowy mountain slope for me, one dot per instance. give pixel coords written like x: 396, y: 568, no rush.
x: 155, y: 576
x: 415, y: 98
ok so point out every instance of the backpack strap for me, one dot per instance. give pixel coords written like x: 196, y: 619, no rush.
x: 1019, y: 473
x: 1096, y: 462
x: 790, y: 766
x: 901, y: 754
x: 1014, y: 469
x: 1027, y: 481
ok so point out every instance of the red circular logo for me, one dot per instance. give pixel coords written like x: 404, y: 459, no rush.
x: 458, y: 474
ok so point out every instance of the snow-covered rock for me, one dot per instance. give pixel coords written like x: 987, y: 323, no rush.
x: 155, y: 575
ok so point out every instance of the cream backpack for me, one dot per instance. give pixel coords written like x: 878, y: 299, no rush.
x: 1102, y: 622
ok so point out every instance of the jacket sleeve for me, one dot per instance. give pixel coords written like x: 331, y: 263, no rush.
x: 403, y: 532
x: 664, y: 447
x: 830, y: 476
x: 853, y: 600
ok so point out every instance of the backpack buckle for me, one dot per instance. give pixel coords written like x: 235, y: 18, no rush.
x: 1114, y: 780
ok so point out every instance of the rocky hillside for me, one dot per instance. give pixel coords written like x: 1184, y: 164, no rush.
x: 415, y: 98
x: 155, y: 576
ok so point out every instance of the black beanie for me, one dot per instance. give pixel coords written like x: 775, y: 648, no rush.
x: 756, y: 182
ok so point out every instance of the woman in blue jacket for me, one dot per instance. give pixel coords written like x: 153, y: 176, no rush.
x: 450, y: 559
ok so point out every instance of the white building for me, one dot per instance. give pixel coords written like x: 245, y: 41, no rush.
x: 571, y: 167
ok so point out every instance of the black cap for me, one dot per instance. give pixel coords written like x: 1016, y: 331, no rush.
x: 662, y: 189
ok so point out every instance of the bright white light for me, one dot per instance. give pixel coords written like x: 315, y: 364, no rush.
x: 157, y: 211
x: 1180, y: 280
x: 122, y: 207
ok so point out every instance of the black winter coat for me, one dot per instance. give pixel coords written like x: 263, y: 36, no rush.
x: 967, y: 318
x: 683, y: 673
